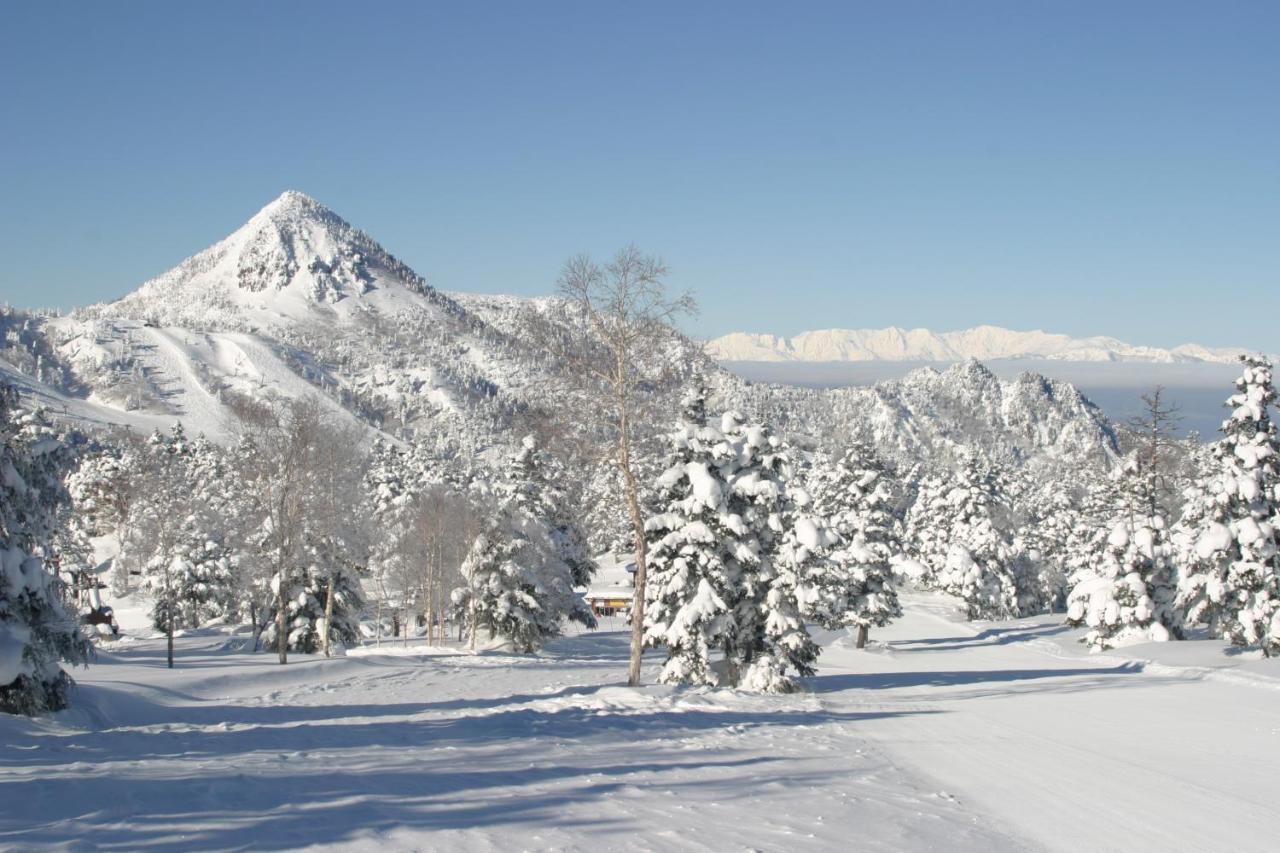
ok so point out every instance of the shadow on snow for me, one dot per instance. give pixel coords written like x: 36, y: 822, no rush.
x: 240, y: 788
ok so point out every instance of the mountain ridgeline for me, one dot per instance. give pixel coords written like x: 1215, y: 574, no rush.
x: 981, y: 342
x: 298, y: 301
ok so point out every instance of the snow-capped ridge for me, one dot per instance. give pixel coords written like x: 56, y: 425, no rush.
x: 984, y: 342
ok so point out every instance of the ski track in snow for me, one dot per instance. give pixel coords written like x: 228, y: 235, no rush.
x: 943, y: 736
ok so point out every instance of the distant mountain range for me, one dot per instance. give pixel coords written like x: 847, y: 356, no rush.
x: 981, y: 342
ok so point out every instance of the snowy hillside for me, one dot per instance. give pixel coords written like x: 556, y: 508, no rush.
x: 296, y: 301
x: 980, y: 342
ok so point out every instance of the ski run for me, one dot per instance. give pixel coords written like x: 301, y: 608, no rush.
x: 941, y: 735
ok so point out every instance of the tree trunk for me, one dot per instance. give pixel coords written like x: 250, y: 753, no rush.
x: 378, y: 640
x: 282, y: 619
x: 637, y: 523
x: 431, y: 612
x: 257, y: 625
x: 328, y: 618
x: 471, y: 619
x: 862, y: 636
x: 168, y: 620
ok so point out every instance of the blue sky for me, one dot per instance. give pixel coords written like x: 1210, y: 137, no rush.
x: 1083, y: 167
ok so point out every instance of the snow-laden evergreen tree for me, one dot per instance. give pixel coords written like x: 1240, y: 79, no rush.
x: 1065, y: 508
x: 696, y: 550
x: 502, y: 592
x: 177, y: 532
x: 36, y: 629
x: 856, y: 498
x: 1099, y: 502
x: 532, y: 488
x: 927, y: 530
x: 98, y: 506
x: 1230, y: 579
x: 308, y: 604
x: 728, y: 573
x: 521, y: 572
x: 393, y: 487
x: 1046, y: 538
x: 772, y: 638
x: 960, y: 535
x: 98, y: 490
x: 1126, y: 595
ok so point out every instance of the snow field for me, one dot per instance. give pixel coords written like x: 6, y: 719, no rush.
x: 485, y: 752
x: 942, y: 736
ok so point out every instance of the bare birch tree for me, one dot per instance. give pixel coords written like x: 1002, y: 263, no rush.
x: 615, y: 339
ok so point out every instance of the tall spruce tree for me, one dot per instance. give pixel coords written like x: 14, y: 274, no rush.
x: 724, y: 579
x: 1127, y: 593
x: 1230, y: 579
x: 856, y: 497
x: 981, y: 561
x: 695, y: 548
x: 772, y: 640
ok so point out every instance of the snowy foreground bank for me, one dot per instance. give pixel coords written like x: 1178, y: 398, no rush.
x: 945, y: 736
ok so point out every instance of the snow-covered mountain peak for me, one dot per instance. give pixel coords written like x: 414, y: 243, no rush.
x: 294, y: 201
x: 292, y: 260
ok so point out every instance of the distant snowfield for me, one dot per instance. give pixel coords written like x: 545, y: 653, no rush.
x: 943, y: 736
x: 1116, y: 387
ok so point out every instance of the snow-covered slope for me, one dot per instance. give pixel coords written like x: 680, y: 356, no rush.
x: 296, y: 301
x: 980, y: 342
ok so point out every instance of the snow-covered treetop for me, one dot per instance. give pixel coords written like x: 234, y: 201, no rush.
x: 1254, y: 394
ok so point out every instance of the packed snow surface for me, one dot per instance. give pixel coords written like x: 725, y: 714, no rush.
x: 941, y: 736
